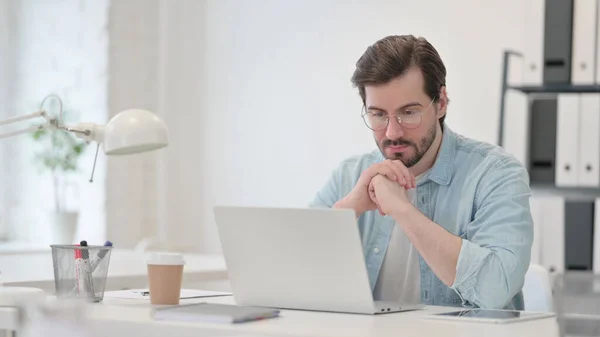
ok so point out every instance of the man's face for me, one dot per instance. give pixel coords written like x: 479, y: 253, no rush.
x: 404, y: 95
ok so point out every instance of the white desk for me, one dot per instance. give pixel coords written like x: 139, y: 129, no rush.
x: 119, y: 317
x: 127, y: 269
x: 125, y: 318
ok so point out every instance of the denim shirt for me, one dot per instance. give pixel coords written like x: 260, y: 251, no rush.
x: 475, y: 191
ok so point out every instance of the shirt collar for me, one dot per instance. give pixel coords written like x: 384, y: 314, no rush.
x: 443, y: 167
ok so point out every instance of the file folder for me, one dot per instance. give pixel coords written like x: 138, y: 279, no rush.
x: 553, y: 234
x: 567, y: 140
x: 589, y: 140
x: 558, y: 36
x: 596, y: 245
x: 533, y: 52
x: 579, y: 227
x: 583, y: 68
x: 542, y: 141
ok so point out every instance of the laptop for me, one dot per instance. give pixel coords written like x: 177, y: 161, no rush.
x: 292, y: 258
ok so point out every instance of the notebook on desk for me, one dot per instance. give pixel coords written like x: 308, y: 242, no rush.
x: 215, y: 313
x: 144, y: 294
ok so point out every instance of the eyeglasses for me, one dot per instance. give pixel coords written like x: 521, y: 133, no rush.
x: 409, y: 118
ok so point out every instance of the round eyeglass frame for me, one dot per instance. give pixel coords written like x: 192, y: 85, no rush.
x: 398, y: 119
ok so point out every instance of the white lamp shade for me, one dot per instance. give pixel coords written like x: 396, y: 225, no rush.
x: 134, y: 131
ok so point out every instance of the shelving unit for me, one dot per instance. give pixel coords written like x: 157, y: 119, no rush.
x: 528, y: 89
x: 550, y: 119
x: 577, y: 292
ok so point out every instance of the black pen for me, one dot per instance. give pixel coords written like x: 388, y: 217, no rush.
x: 87, y: 272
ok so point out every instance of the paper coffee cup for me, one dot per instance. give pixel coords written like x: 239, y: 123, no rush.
x: 165, y: 274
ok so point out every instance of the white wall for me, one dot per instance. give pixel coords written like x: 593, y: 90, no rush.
x: 133, y: 83
x: 258, y: 99
x: 156, y: 53
x: 281, y: 112
x: 7, y: 66
x: 57, y: 47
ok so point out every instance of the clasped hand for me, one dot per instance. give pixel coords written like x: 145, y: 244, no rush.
x: 383, y: 187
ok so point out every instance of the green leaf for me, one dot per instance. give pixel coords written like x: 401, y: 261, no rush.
x: 61, y: 149
x: 39, y: 134
x: 78, y: 149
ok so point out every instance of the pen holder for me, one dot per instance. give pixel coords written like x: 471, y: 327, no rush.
x: 80, y: 271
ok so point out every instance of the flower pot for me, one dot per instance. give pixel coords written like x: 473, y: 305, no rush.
x: 62, y: 227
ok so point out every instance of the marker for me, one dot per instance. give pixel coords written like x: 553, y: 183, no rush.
x: 87, y: 271
x: 80, y: 286
x: 95, y: 262
x: 101, y: 254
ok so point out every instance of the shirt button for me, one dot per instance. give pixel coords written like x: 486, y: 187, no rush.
x: 376, y: 250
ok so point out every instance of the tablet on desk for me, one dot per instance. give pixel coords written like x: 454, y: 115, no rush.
x: 490, y: 316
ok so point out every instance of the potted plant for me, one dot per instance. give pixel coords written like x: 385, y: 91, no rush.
x: 60, y: 155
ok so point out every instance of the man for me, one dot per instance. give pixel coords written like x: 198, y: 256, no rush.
x: 460, y: 233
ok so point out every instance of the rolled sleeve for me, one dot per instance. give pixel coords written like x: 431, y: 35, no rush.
x: 496, y: 246
x: 329, y: 193
x: 341, y: 181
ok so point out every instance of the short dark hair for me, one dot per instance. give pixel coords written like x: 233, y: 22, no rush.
x: 392, y: 56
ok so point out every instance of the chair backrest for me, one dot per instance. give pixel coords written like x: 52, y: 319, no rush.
x: 537, y: 290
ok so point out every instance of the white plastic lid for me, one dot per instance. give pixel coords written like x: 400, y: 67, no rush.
x: 166, y: 259
x: 12, y: 296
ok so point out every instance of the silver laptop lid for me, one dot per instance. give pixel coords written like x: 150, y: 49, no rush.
x: 295, y: 258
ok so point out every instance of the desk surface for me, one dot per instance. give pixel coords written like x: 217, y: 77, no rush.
x: 127, y: 269
x: 130, y: 317
x: 117, y: 317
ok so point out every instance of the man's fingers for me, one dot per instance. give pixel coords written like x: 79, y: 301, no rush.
x: 400, y: 176
x: 405, y: 172
x: 372, y: 193
x: 393, y: 170
x: 374, y: 198
x: 387, y: 172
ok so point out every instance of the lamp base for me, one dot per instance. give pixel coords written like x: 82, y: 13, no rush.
x: 13, y: 296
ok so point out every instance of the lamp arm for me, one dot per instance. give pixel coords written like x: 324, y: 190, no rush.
x: 20, y: 132
x: 49, y: 123
x: 26, y: 117
x: 88, y: 132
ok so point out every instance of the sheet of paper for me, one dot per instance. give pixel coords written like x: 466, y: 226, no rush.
x: 143, y: 294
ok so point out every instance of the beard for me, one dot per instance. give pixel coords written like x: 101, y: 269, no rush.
x: 419, y: 149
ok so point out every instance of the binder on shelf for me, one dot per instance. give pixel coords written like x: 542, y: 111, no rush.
x: 552, y: 229
x: 533, y: 52
x: 542, y: 141
x: 597, y: 45
x: 558, y: 36
x: 567, y: 137
x: 589, y: 141
x: 596, y: 247
x: 579, y: 220
x: 583, y: 68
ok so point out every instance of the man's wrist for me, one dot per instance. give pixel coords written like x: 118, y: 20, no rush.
x: 401, y: 210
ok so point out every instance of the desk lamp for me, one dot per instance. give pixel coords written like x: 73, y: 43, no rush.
x: 128, y: 132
